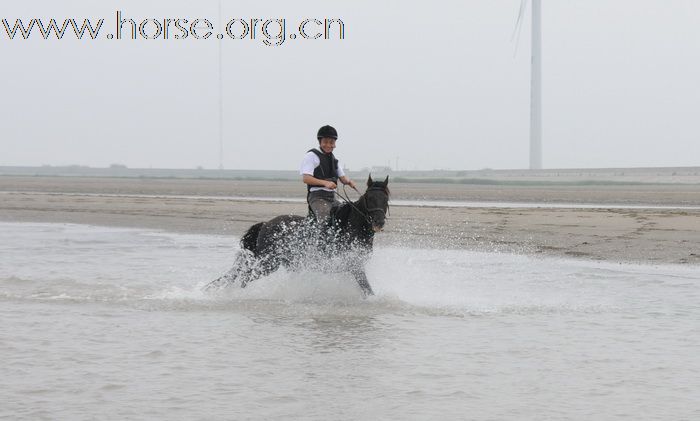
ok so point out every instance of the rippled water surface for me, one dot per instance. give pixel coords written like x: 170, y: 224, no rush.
x: 104, y: 323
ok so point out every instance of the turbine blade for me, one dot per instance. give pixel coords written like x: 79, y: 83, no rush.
x: 518, y: 25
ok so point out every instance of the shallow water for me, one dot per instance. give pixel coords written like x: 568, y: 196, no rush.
x: 112, y: 324
x: 395, y: 202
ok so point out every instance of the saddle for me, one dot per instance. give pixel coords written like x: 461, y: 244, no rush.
x: 339, y: 211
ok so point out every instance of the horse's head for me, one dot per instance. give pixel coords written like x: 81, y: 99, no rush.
x: 377, y: 202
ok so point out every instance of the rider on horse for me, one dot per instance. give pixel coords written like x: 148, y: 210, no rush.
x: 293, y: 241
x: 320, y: 172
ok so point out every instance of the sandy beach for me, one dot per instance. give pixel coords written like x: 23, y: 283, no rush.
x: 631, y: 223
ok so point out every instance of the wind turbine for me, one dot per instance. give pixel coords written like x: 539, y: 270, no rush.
x: 535, y: 81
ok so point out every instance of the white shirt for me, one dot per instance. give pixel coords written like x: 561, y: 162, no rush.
x: 309, y: 164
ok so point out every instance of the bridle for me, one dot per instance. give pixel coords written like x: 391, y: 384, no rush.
x: 367, y: 215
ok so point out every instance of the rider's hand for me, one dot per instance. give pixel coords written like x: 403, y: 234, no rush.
x: 330, y: 185
x: 352, y: 184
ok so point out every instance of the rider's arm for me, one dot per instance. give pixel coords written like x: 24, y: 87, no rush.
x: 308, y: 165
x: 313, y: 181
x: 345, y: 180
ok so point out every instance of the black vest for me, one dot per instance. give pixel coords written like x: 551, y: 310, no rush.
x: 327, y: 170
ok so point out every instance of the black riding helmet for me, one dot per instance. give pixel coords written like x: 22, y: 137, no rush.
x: 327, y: 131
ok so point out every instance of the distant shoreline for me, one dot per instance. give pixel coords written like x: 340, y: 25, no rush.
x: 550, y: 177
x: 423, y: 180
x: 679, y: 195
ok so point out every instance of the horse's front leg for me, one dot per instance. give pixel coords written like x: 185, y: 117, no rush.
x: 358, y: 271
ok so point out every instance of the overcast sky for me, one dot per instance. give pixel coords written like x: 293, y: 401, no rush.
x: 423, y: 84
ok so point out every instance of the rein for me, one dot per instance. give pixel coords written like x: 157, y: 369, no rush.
x: 368, y: 218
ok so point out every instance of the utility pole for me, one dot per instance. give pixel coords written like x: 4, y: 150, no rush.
x: 536, y: 88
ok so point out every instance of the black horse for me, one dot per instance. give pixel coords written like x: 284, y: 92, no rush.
x: 295, y: 241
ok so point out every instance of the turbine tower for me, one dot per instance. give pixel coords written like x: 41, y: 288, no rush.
x: 535, y: 80
x: 221, y: 102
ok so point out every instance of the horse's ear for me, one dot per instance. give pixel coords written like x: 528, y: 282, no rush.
x: 386, y: 181
x: 369, y: 181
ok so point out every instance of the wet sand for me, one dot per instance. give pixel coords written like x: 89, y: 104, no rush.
x: 610, y: 232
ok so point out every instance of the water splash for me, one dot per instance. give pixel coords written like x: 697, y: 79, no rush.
x: 157, y: 270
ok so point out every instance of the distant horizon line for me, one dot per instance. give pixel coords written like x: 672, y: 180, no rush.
x: 118, y: 167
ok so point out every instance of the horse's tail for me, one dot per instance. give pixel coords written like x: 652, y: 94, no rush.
x: 249, y: 241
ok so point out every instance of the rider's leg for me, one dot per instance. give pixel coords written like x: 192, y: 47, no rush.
x: 320, y: 202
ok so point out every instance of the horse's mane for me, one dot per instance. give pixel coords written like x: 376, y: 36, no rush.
x: 342, y: 212
x: 379, y: 185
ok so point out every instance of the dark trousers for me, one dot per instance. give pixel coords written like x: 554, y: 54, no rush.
x: 321, y: 202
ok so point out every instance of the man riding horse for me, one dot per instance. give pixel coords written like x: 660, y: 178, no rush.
x: 320, y: 172
x: 296, y: 242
